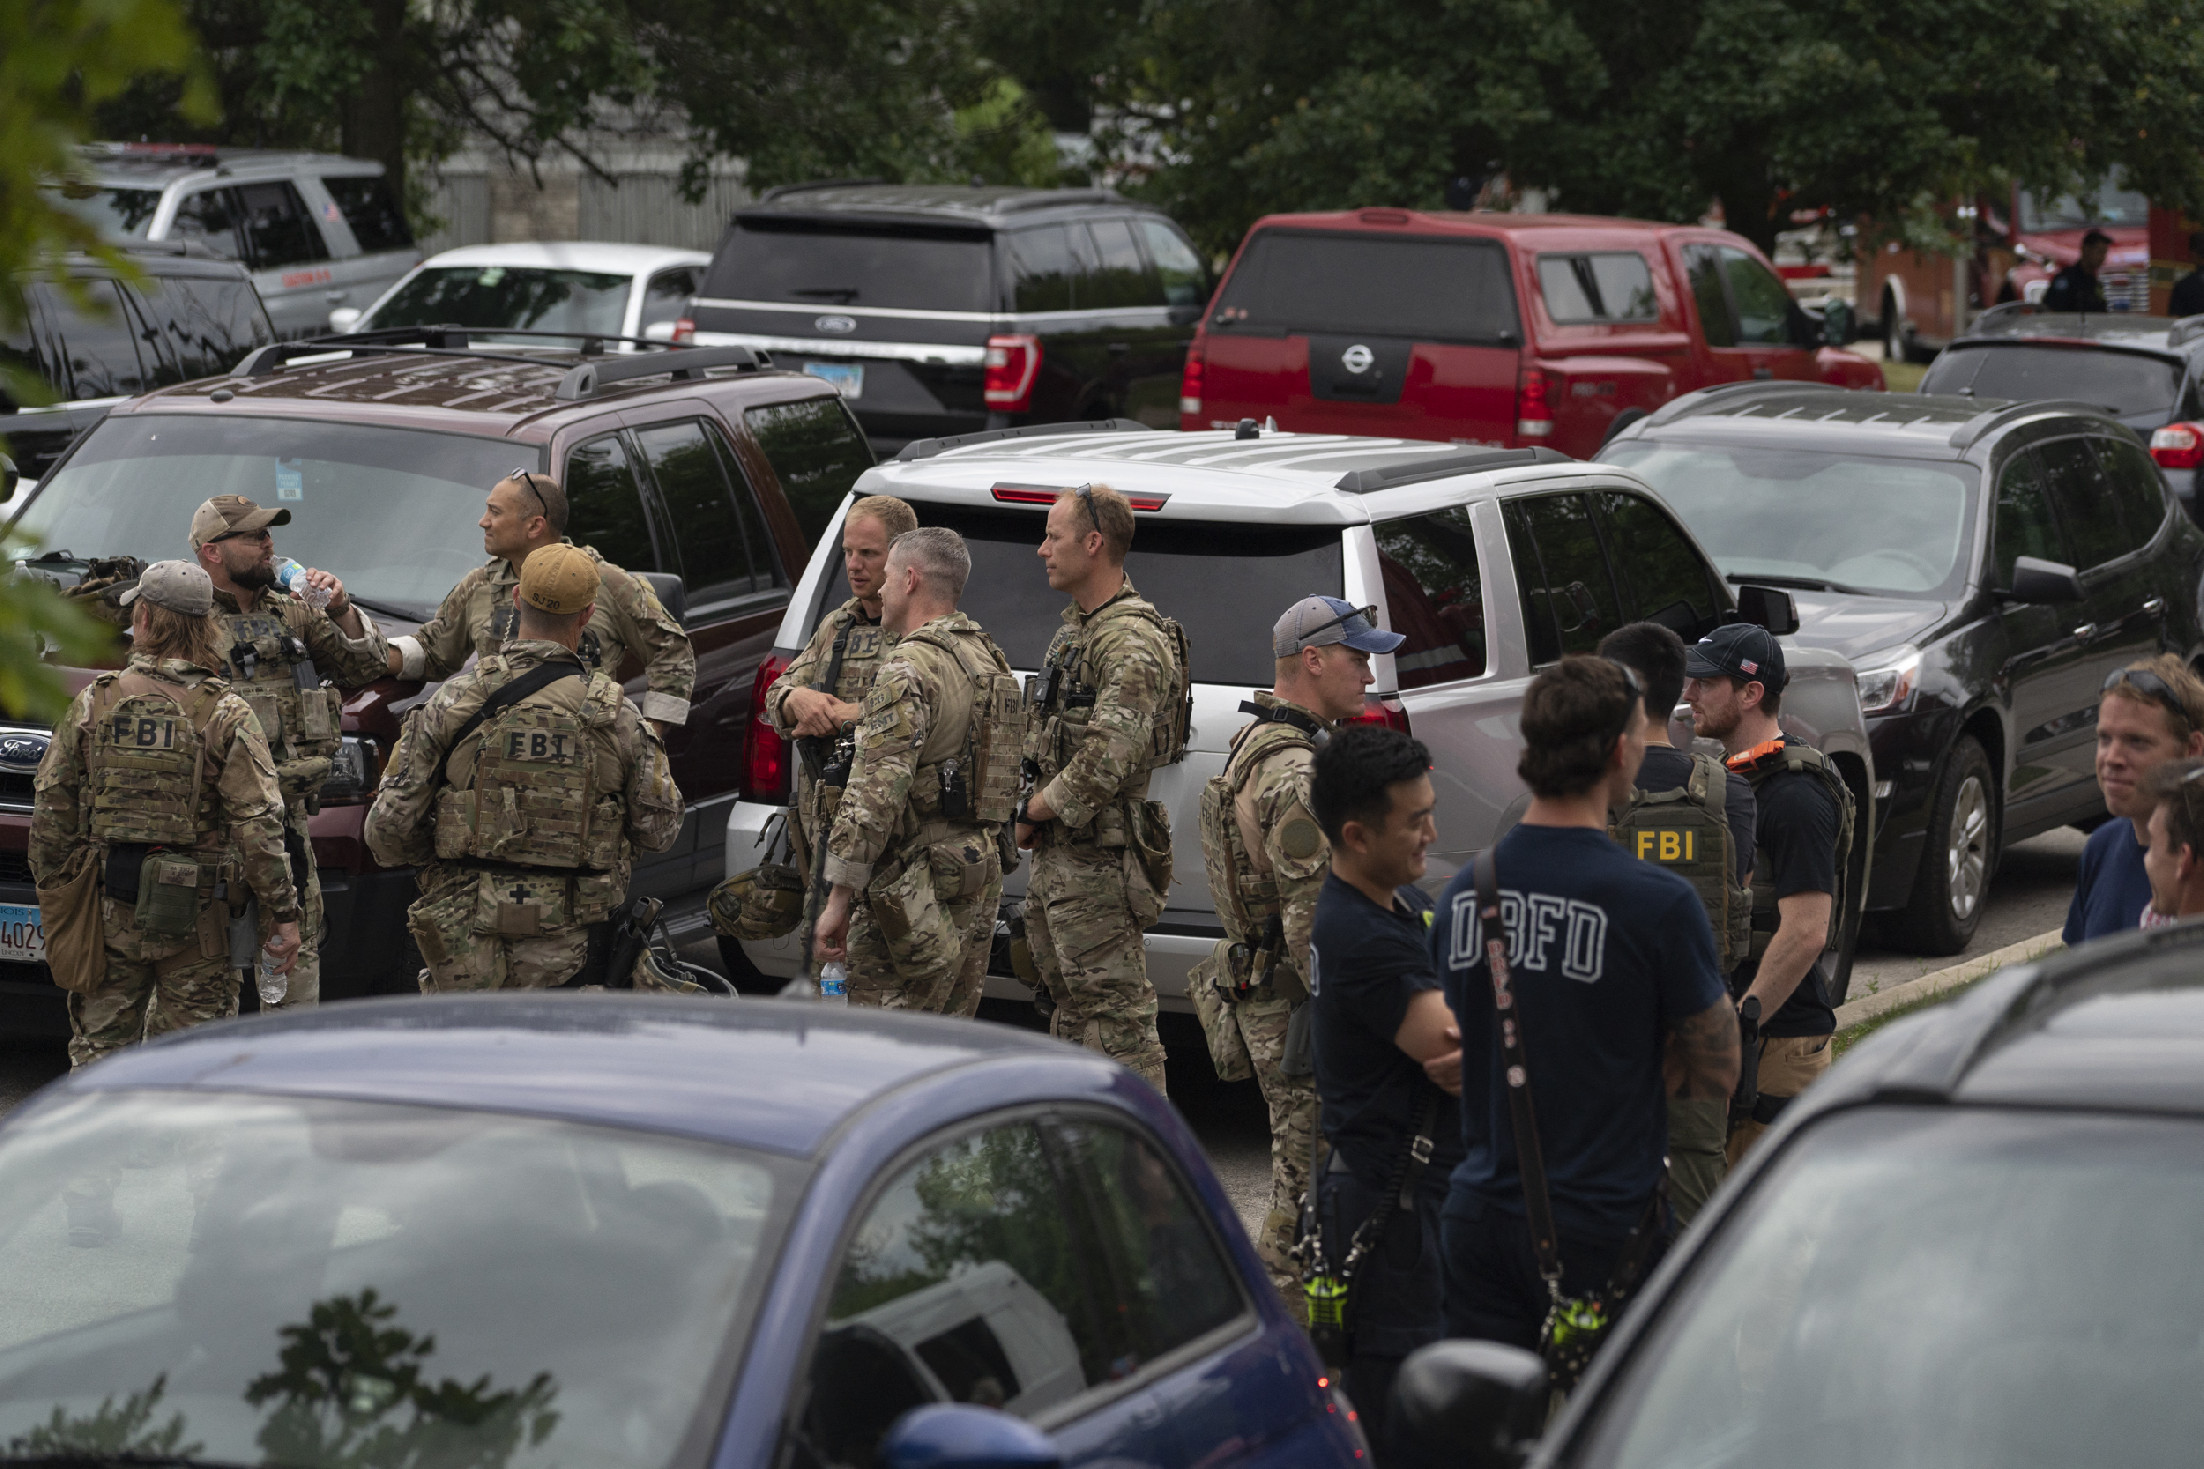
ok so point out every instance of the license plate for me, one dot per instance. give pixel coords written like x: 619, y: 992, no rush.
x: 848, y: 377
x: 22, y: 941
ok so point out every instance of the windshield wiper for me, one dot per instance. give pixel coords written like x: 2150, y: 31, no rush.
x: 839, y: 295
x: 1802, y: 583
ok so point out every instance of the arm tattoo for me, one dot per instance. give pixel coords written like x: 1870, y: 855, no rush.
x: 1705, y: 1046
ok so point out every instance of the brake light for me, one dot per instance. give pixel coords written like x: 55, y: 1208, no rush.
x: 684, y: 331
x: 1049, y: 495
x: 2178, y: 446
x: 1013, y: 361
x: 1190, y: 380
x: 765, y: 753
x: 1385, y: 711
x: 1534, y: 414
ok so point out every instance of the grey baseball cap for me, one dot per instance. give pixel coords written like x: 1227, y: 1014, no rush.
x: 1317, y: 622
x: 177, y: 585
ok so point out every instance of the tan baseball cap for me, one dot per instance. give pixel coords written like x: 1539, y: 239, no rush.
x: 559, y: 579
x: 227, y: 515
x: 180, y: 586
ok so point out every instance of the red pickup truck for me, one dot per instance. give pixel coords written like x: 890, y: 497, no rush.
x: 1504, y: 329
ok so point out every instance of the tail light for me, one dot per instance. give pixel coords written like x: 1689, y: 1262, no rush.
x: 1386, y: 711
x: 765, y: 753
x: 1190, y: 381
x: 2178, y: 446
x: 1013, y: 361
x: 684, y: 331
x: 1534, y: 414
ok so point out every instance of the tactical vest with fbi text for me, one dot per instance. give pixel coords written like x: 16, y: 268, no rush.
x: 145, y: 754
x: 538, y: 784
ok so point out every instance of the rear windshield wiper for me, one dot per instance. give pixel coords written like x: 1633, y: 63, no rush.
x: 1802, y: 583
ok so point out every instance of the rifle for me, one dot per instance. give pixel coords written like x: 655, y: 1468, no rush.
x: 814, y: 750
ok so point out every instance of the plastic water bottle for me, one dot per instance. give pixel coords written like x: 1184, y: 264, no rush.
x: 273, y: 985
x: 834, y: 983
x: 292, y: 578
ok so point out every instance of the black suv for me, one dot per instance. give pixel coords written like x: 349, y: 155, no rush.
x: 1983, y: 564
x: 943, y: 310
x: 188, y: 318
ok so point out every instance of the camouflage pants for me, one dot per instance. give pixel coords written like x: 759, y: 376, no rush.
x: 955, y: 991
x: 304, y: 990
x: 153, y: 986
x: 1292, y: 1104
x: 1088, y: 948
x: 461, y: 956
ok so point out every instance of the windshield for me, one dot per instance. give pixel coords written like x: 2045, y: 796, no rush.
x: 1813, y: 519
x: 2118, y: 207
x: 116, y: 213
x: 817, y: 266
x: 1937, y: 1290
x: 391, y: 511
x: 518, y: 296
x: 2127, y: 384
x: 325, y: 1284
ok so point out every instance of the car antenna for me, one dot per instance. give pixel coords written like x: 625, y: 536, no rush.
x: 1247, y: 430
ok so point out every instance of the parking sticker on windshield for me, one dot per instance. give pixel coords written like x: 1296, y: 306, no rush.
x: 290, y: 480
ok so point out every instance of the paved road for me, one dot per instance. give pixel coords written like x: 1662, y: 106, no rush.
x: 2028, y: 897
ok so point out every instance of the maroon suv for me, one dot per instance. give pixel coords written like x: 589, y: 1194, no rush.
x: 699, y: 468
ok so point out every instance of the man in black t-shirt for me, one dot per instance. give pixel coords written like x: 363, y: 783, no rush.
x: 1377, y: 1018
x: 1615, y: 982
x: 1734, y: 684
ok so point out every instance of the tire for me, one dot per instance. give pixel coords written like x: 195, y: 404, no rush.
x: 1953, y: 884
x: 746, y: 977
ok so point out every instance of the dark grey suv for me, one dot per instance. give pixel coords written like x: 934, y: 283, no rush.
x: 1982, y: 563
x: 940, y: 310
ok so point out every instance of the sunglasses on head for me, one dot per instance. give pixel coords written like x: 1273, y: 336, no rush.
x: 1084, y: 494
x: 527, y: 478
x: 1367, y: 614
x: 2151, y: 686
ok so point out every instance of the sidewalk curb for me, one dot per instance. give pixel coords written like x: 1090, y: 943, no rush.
x: 1867, y: 1007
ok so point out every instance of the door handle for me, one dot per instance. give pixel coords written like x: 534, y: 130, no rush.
x: 2085, y: 632
x: 2154, y: 606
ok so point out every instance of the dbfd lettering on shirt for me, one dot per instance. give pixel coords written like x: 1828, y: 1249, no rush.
x: 1544, y: 932
x: 1656, y: 845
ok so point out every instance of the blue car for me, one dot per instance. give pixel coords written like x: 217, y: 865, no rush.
x: 490, y: 1231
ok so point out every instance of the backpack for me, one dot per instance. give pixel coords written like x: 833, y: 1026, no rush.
x: 1686, y: 830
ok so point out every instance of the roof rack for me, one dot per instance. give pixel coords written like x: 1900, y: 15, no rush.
x: 779, y: 191
x: 591, y: 374
x: 687, y: 365
x: 1690, y: 402
x: 928, y: 448
x: 1054, y: 198
x: 276, y: 356
x: 460, y: 338
x: 1415, y: 471
x: 1969, y: 433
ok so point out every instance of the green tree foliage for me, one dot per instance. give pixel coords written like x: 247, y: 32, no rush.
x: 109, y: 1432
x: 1883, y: 109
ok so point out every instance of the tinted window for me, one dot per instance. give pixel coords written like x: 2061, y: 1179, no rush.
x: 1121, y: 276
x: 125, y: 212
x: 968, y: 1281
x: 723, y: 554
x: 816, y: 452
x: 276, y: 227
x: 521, y: 297
x: 1162, y: 1272
x: 2084, y: 501
x: 206, y: 325
x: 1434, y: 596
x: 666, y: 298
x: 1185, y: 281
x: 818, y: 266
x: 1046, y: 265
x: 604, y: 507
x: 2124, y: 383
x: 2137, y: 487
x: 91, y: 351
x: 1561, y: 570
x: 2026, y: 523
x: 377, y: 221
x: 1661, y: 575
x: 1763, y: 302
x: 18, y: 347
x: 210, y: 218
x: 1703, y: 266
x: 1428, y: 289
x: 1605, y: 287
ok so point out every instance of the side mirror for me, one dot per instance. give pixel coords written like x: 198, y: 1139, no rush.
x: 2044, y: 581
x: 670, y: 591
x: 344, y: 318
x: 1836, y: 323
x: 962, y: 1436
x: 1479, y: 1404
x: 1768, y: 607
x: 10, y: 477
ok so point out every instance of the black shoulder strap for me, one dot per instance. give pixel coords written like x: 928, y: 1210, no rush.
x: 1280, y: 714
x: 1529, y: 1161
x: 833, y: 677
x: 535, y: 680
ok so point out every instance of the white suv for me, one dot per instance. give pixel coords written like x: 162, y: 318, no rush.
x: 1492, y: 563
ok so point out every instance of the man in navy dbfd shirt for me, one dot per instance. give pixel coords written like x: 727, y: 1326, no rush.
x: 2150, y: 712
x: 1615, y: 977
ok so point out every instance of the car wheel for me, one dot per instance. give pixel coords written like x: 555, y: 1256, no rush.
x: 1954, y: 881
x: 746, y: 977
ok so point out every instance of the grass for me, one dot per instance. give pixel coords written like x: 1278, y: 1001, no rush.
x: 1904, y: 377
x: 1852, y: 1035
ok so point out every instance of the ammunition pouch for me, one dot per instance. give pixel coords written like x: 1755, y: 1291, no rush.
x: 1147, y: 843
x: 166, y: 890
x: 1207, y: 987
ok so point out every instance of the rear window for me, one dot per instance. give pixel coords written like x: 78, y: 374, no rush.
x: 1433, y: 290
x: 114, y: 212
x: 808, y: 264
x: 523, y: 298
x: 816, y: 452
x: 377, y: 221
x: 2127, y: 383
x: 1613, y: 286
x: 1223, y: 582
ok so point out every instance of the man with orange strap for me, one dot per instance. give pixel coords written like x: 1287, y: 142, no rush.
x: 1734, y: 680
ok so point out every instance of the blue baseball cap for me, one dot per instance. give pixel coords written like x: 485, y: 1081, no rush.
x: 1317, y: 622
x: 1739, y: 650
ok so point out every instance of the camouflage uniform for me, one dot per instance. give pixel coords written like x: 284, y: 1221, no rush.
x: 1088, y: 903
x: 893, y: 841
x: 812, y: 811
x: 1267, y: 860
x: 303, y: 726
x: 105, y: 784
x: 527, y: 834
x: 477, y: 617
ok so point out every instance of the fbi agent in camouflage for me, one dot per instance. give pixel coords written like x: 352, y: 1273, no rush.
x: 522, y: 790
x: 277, y: 652
x: 816, y: 701
x: 526, y: 512
x: 932, y: 785
x: 1266, y: 859
x: 159, y: 775
x: 1111, y: 703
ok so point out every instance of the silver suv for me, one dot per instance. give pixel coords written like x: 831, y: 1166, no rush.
x: 1492, y: 563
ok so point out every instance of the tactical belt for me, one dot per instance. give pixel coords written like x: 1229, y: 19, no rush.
x: 477, y: 864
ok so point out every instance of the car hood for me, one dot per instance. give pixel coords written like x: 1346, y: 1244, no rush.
x: 1857, y: 625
